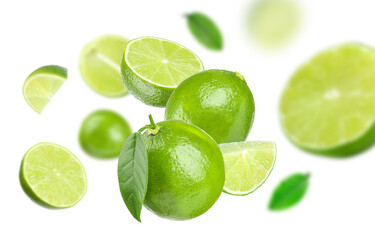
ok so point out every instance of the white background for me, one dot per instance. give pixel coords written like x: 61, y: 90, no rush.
x: 339, y: 203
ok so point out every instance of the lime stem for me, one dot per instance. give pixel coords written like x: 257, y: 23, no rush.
x: 152, y: 127
x: 152, y: 121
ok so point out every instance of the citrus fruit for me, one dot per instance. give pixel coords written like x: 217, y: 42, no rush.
x: 53, y: 176
x: 273, y: 22
x: 153, y: 67
x: 100, y: 62
x: 103, y: 133
x: 247, y: 165
x: 42, y: 84
x: 328, y: 105
x: 185, y: 170
x: 217, y: 101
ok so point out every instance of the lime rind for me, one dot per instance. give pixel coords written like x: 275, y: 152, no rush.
x: 350, y: 121
x: 39, y: 192
x: 42, y: 84
x: 247, y: 165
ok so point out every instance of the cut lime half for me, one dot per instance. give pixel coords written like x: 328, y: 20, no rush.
x: 328, y: 105
x: 247, y: 165
x: 42, y: 84
x: 100, y: 65
x: 153, y: 67
x: 53, y: 176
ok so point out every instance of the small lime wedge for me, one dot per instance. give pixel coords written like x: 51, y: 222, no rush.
x: 247, y: 165
x: 53, y: 176
x: 328, y: 105
x: 42, y: 84
x: 100, y: 62
x: 153, y: 67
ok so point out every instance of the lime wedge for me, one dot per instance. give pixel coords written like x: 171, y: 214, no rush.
x: 53, y: 176
x: 153, y: 67
x: 328, y: 105
x: 42, y: 84
x: 247, y: 165
x: 100, y: 62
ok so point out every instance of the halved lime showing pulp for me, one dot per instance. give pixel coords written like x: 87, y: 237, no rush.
x: 100, y: 62
x: 247, y: 165
x: 328, y: 106
x: 53, y: 176
x: 153, y: 67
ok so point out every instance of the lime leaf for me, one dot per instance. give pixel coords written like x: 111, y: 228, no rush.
x: 289, y: 192
x: 205, y: 31
x: 133, y: 173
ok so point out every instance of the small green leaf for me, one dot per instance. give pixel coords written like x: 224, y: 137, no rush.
x: 132, y: 173
x: 205, y: 31
x: 289, y: 192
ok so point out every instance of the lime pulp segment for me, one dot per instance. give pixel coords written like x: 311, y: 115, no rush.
x: 247, y: 165
x: 42, y: 84
x: 328, y: 105
x: 161, y: 61
x: 51, y: 175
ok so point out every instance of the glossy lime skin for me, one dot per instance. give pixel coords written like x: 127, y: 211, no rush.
x: 103, y: 133
x: 217, y: 101
x: 186, y: 171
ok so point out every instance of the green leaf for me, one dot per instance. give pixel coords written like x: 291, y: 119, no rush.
x: 132, y: 172
x: 289, y: 192
x: 205, y: 31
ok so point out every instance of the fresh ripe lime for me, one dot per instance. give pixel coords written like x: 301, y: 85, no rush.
x: 217, y: 101
x: 186, y: 170
x: 153, y: 67
x: 103, y: 133
x: 100, y: 62
x: 247, y: 165
x: 42, y: 84
x: 53, y: 176
x: 328, y: 105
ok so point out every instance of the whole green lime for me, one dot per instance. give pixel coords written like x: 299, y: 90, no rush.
x: 217, y: 101
x: 185, y: 170
x: 103, y: 133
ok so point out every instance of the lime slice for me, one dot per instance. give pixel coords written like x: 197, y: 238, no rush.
x: 100, y: 62
x: 273, y: 22
x: 53, y: 176
x: 328, y: 105
x: 153, y: 67
x: 42, y: 84
x: 247, y: 165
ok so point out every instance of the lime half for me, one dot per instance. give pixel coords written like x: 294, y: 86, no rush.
x: 153, y: 67
x: 42, y: 84
x: 247, y: 165
x: 328, y: 105
x: 53, y: 176
x: 100, y: 62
